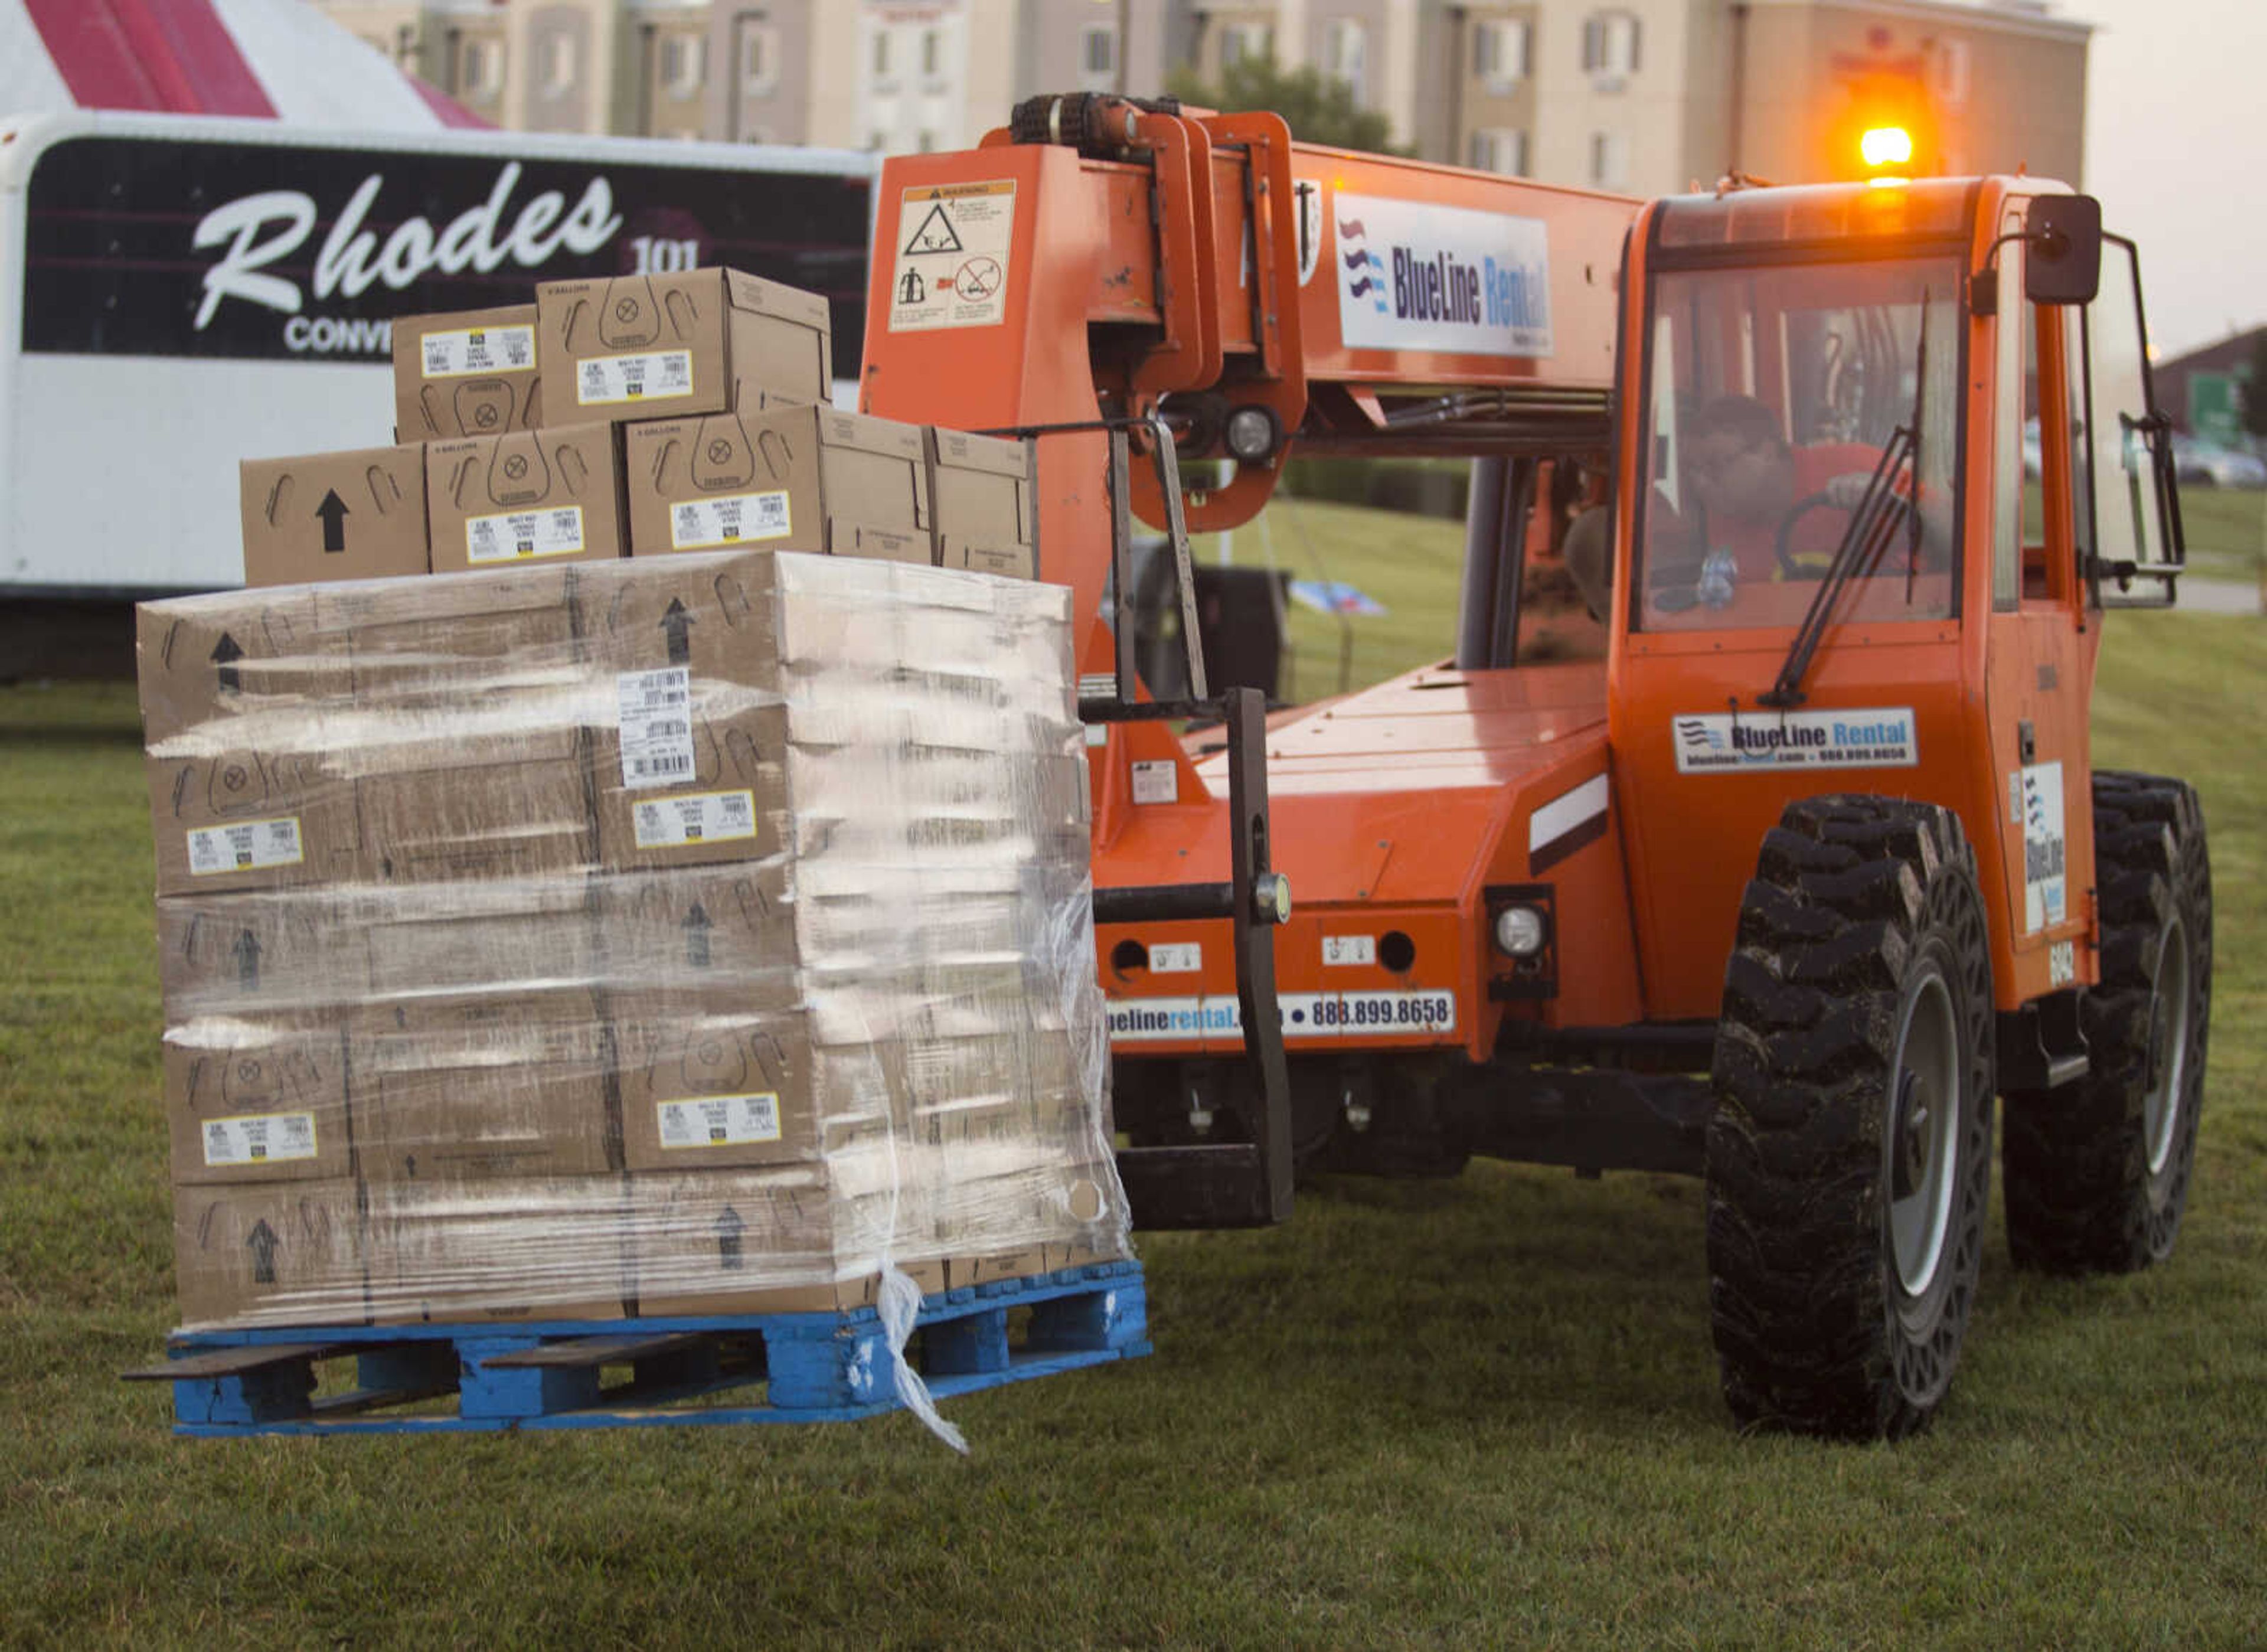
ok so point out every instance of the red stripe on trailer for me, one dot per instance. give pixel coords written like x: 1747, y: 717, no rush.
x: 444, y: 107
x: 170, y: 56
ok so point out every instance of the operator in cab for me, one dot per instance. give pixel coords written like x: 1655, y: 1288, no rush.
x: 1747, y: 479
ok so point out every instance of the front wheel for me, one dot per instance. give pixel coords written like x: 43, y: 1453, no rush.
x: 1848, y: 1160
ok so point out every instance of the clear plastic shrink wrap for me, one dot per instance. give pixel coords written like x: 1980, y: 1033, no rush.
x: 685, y: 935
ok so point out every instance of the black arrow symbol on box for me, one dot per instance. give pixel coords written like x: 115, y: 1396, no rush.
x: 678, y: 626
x: 333, y: 513
x: 729, y: 1229
x: 246, y: 951
x: 225, y: 654
x: 696, y: 937
x: 263, y: 1245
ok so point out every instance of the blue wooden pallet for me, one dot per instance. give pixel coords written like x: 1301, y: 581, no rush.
x: 813, y: 1367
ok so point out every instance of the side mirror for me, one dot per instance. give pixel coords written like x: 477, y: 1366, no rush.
x: 2063, y: 247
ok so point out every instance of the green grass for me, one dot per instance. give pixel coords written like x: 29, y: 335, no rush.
x: 1480, y: 1413
x: 2227, y: 532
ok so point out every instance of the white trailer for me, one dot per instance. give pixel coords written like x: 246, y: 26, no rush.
x: 178, y: 294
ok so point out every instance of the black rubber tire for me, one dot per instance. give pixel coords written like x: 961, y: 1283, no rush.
x: 2082, y: 1197
x: 1857, y: 905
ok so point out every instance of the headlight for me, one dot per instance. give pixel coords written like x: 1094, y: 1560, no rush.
x: 1250, y: 434
x: 1519, y: 931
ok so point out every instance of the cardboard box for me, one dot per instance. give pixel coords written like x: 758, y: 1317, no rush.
x: 476, y: 820
x: 256, y: 1098
x: 728, y: 801
x: 552, y: 495
x: 359, y: 515
x: 276, y: 1255
x: 803, y: 479
x: 711, y: 1079
x: 199, y: 659
x: 524, y: 1248
x: 985, y: 502
x: 696, y: 927
x: 470, y: 372
x: 257, y: 951
x: 705, y: 340
x: 483, y: 1087
x: 749, y: 1241
x: 247, y: 818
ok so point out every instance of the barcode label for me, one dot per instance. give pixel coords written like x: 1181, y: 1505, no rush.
x: 719, y: 1120
x: 247, y: 846
x: 660, y: 376
x: 746, y: 519
x: 702, y: 817
x: 254, y: 1139
x: 522, y: 536
x: 656, y: 725
x: 491, y: 349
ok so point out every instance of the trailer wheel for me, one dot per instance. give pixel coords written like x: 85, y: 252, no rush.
x: 1848, y: 1159
x: 2097, y: 1173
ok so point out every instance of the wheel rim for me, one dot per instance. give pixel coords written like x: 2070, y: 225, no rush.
x: 1923, y: 1146
x: 2168, y: 1046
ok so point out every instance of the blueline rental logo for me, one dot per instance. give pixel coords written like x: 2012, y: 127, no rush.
x: 1423, y: 276
x: 1720, y: 743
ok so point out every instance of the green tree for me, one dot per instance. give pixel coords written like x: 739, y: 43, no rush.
x: 1318, y: 110
x: 2254, y: 387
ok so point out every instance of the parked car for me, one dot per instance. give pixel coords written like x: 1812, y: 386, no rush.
x: 2208, y: 465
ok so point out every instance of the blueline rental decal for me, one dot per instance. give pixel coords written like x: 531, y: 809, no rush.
x: 1417, y: 277
x: 1722, y: 743
x: 2045, y: 901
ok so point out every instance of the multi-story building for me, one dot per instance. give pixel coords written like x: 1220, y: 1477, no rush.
x: 1647, y: 96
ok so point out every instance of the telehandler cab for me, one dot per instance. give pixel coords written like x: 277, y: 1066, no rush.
x: 1750, y: 830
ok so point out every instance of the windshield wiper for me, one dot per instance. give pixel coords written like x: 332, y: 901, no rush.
x: 1871, y: 528
x: 1866, y: 538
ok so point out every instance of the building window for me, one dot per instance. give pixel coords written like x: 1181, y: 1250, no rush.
x: 1500, y: 150
x: 1609, y: 48
x: 558, y: 63
x: 1346, y: 54
x: 1097, y: 52
x: 932, y: 52
x: 881, y: 54
x: 1610, y: 159
x: 758, y: 59
x: 1240, y: 41
x: 480, y: 67
x: 682, y: 60
x: 1952, y: 73
x: 1499, y: 52
x: 928, y: 141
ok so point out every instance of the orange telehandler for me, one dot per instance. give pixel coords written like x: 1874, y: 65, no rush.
x: 1751, y: 828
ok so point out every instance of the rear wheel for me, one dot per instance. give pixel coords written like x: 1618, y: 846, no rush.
x: 1848, y: 1160
x: 2097, y: 1173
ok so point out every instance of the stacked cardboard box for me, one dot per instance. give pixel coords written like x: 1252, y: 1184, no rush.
x: 692, y: 935
x: 640, y: 415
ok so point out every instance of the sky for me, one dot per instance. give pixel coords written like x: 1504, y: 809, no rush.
x: 2176, y: 149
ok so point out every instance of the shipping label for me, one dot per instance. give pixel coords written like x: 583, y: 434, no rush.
x: 700, y: 524
x: 656, y: 376
x: 255, y: 1138
x: 522, y: 536
x: 705, y: 817
x: 493, y: 350
x: 719, y: 1120
x: 246, y: 845
x: 952, y: 245
x: 656, y: 726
